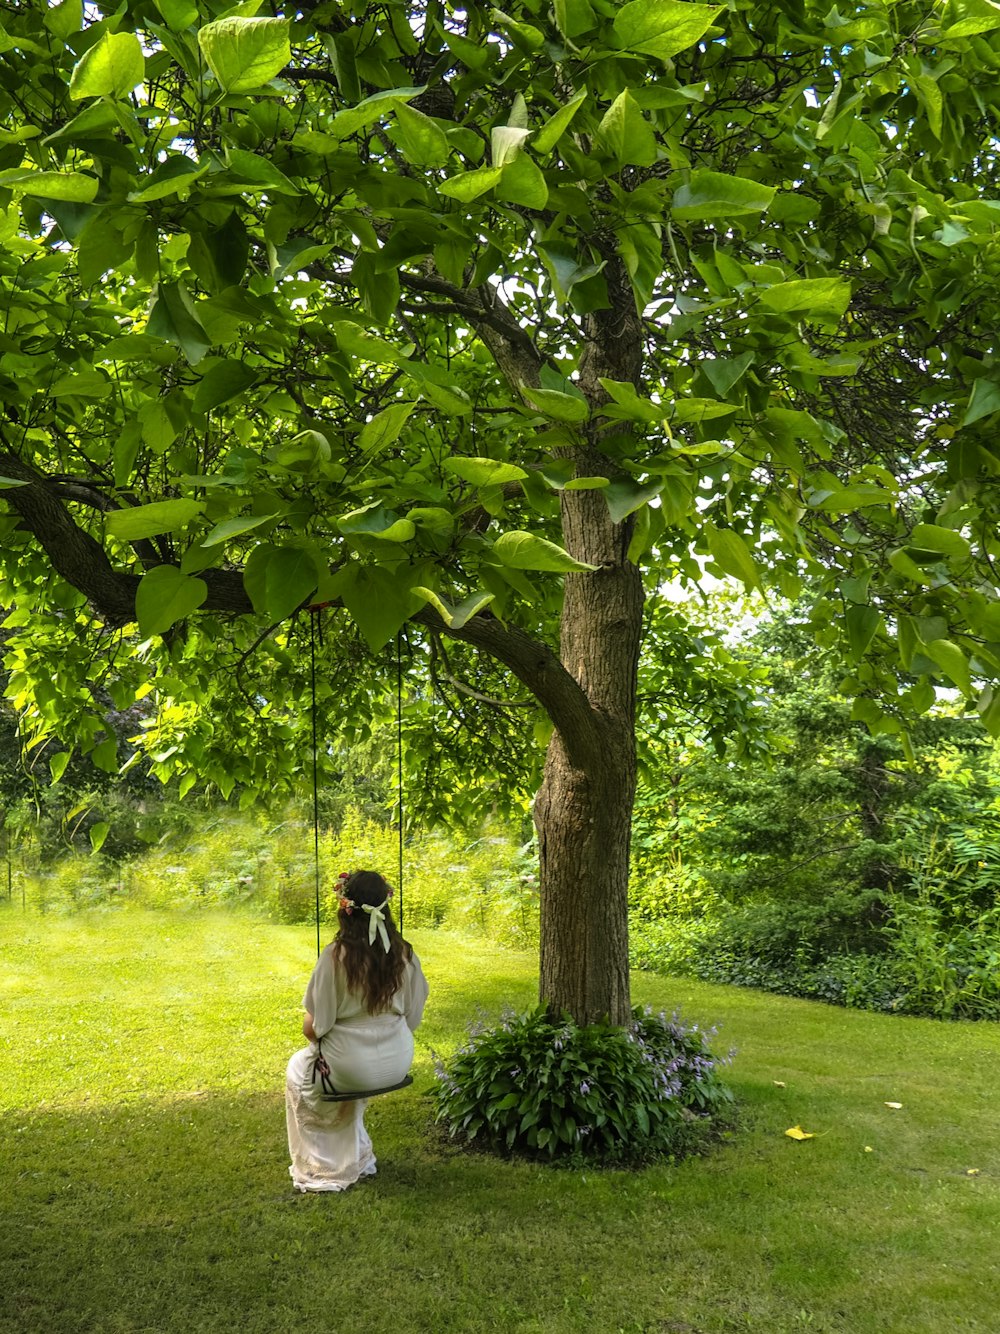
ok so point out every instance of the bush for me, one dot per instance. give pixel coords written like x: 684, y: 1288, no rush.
x: 551, y: 1089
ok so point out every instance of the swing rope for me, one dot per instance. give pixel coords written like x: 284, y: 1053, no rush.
x: 315, y: 767
x: 399, y: 767
x: 330, y: 1094
x: 314, y: 612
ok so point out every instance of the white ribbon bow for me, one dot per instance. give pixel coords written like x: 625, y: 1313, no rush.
x: 376, y: 922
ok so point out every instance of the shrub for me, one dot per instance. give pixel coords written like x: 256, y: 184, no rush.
x: 549, y: 1088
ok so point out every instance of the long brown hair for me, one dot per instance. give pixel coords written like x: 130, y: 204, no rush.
x: 373, y: 972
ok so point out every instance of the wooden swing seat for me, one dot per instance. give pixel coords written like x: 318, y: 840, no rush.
x: 354, y: 1095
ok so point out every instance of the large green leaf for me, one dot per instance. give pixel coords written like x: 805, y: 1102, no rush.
x: 420, y: 139
x: 663, y: 28
x: 222, y: 382
x: 952, y: 661
x: 483, y: 472
x: 526, y: 551
x: 280, y: 579
x: 625, y: 134
x: 862, y: 625
x: 809, y: 296
x: 983, y: 401
x: 228, y: 528
x: 112, y: 67
x: 76, y: 187
x: 165, y: 596
x: 557, y: 124
x: 710, y: 195
x: 162, y: 516
x: 470, y: 185
x: 625, y: 497
x: 733, y: 556
x: 245, y: 53
x: 379, y: 599
x: 174, y: 316
x: 384, y: 428
x: 558, y: 406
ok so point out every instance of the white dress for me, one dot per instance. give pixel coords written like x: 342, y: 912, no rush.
x: 329, y: 1145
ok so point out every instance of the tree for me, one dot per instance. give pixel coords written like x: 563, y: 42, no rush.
x: 476, y: 319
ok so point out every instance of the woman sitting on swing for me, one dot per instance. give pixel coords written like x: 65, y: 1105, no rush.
x: 363, y: 1001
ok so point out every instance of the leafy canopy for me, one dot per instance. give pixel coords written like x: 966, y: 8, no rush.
x: 301, y: 307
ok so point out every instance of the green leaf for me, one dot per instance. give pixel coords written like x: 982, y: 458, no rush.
x: 558, y: 406
x: 164, y: 597
x: 65, y: 19
x: 384, y: 428
x: 163, y: 516
x: 421, y: 141
x: 983, y: 401
x: 228, y: 528
x: 555, y: 127
x: 625, y: 134
x: 439, y: 388
x: 173, y: 317
x: 483, y: 472
x: 723, y: 373
x: 58, y: 763
x: 733, y: 556
x: 278, y: 580
x: 373, y: 109
x: 75, y: 187
x: 862, y: 626
x: 624, y: 498
x: 945, y: 540
x: 521, y: 182
x: 976, y: 16
x: 470, y: 185
x: 98, y: 832
x: 379, y: 601
x: 456, y: 617
x: 711, y: 194
x: 525, y: 551
x: 178, y: 14
x: 222, y: 382
x: 952, y: 661
x: 663, y: 28
x: 574, y: 17
x: 112, y: 67
x: 809, y: 296
x: 245, y: 53
x: 254, y: 170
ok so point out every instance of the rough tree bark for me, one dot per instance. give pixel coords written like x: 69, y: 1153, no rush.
x: 584, y: 810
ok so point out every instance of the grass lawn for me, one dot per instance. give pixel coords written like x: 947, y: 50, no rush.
x: 144, y: 1187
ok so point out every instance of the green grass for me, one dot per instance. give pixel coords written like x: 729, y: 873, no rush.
x: 143, y: 1182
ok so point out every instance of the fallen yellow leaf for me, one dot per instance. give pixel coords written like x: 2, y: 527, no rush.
x: 896, y: 1106
x: 797, y: 1132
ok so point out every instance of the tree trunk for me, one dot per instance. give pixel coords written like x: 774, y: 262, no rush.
x: 584, y: 810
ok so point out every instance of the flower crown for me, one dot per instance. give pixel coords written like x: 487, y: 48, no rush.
x: 376, y: 914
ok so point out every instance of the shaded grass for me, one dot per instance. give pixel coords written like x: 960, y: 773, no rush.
x: 143, y: 1181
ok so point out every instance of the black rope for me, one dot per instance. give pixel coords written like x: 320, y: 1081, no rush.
x: 399, y: 766
x: 315, y: 770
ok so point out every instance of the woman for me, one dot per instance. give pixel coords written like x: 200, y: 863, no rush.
x: 363, y: 1001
